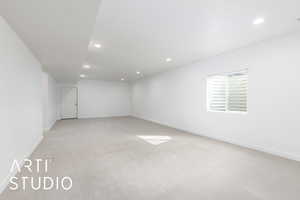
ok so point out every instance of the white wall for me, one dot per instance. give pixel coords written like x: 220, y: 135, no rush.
x: 50, y: 102
x: 178, y: 98
x: 21, y: 123
x: 103, y: 99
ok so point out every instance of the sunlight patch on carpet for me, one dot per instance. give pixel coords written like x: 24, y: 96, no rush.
x: 155, y: 139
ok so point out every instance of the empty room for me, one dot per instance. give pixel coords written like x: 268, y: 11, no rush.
x: 150, y: 100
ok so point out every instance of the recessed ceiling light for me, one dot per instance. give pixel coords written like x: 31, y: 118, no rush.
x: 258, y: 21
x: 97, y: 45
x: 122, y: 79
x: 138, y: 72
x: 82, y: 75
x: 168, y: 59
x: 86, y: 66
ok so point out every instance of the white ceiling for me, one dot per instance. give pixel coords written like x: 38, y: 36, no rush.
x: 138, y: 35
x: 57, y: 31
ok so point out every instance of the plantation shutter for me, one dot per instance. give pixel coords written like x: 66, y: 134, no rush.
x: 228, y: 92
x: 237, y: 92
x: 217, y: 93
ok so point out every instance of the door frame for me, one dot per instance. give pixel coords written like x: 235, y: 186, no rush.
x: 61, y: 93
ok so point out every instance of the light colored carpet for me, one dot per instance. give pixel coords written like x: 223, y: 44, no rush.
x: 107, y: 161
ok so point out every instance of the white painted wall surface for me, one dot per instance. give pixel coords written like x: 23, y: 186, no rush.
x: 50, y: 102
x: 178, y: 98
x: 45, y: 99
x: 21, y: 125
x: 103, y: 99
x: 53, y: 93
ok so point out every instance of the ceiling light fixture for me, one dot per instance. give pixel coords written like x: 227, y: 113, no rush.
x: 168, y: 59
x: 258, y: 21
x: 122, y: 79
x: 138, y: 72
x: 97, y: 45
x: 86, y: 66
x: 82, y: 75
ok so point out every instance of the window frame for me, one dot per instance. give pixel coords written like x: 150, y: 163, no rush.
x: 246, y: 71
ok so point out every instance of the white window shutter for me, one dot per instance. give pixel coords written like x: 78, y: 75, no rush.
x: 237, y: 92
x: 228, y: 93
x: 217, y: 93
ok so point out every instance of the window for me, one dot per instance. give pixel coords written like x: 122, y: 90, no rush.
x: 228, y: 92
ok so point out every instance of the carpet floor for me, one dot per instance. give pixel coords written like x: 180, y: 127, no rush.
x: 126, y: 158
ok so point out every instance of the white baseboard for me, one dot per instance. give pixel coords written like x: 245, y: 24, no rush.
x: 104, y: 116
x: 223, y: 139
x: 5, y: 182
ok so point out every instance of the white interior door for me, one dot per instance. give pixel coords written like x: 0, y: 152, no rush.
x: 69, y: 103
